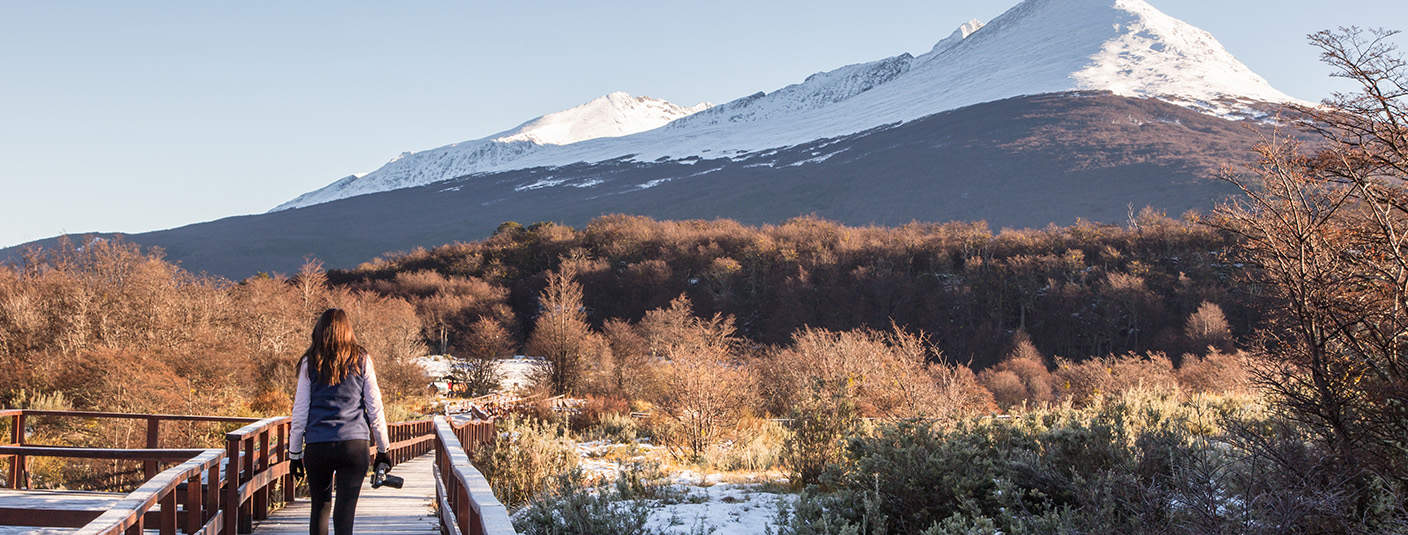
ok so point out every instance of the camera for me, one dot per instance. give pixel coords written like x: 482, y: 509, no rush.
x: 380, y: 478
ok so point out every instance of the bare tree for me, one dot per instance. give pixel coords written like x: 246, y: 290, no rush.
x: 703, y: 391
x: 1207, y: 327
x: 312, y: 281
x: 478, y: 368
x: 561, y: 333
x: 1326, y: 232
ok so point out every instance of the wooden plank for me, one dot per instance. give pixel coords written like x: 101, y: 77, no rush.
x: 50, y: 518
x: 404, y: 511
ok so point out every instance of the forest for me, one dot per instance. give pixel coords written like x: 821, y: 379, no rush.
x: 1081, y: 291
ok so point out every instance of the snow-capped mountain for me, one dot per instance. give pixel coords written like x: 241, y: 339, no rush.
x: 1039, y: 46
x: 613, y: 115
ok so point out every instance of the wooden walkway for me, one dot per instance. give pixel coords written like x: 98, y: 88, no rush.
x: 384, y: 510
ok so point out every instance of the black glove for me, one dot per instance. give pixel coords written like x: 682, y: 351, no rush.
x: 295, y: 467
x: 381, y: 458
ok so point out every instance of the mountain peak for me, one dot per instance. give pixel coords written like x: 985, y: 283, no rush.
x: 612, y: 115
x: 964, y: 30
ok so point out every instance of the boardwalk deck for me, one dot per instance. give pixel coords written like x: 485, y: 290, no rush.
x: 385, y: 510
x: 36, y: 504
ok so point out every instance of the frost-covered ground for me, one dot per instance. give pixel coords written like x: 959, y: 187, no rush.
x: 721, y: 508
x: 516, y: 371
x: 733, y: 503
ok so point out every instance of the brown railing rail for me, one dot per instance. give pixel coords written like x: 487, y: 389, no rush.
x: 463, y: 498
x: 19, y: 418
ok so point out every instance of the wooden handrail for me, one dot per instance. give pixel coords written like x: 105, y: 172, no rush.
x: 465, y: 501
x: 129, y: 515
x: 17, y: 476
x: 132, y: 416
x: 160, y: 455
x: 255, y: 426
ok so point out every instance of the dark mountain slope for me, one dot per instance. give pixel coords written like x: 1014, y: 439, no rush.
x: 1021, y: 162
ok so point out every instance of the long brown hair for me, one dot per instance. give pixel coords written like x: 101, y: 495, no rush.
x: 334, y: 351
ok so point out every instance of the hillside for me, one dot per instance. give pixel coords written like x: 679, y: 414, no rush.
x: 1021, y: 162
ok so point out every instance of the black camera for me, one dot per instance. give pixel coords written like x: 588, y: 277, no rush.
x: 381, y: 478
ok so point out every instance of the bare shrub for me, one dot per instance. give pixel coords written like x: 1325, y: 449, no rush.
x: 1083, y: 382
x: 1216, y: 373
x: 703, y: 390
x: 1006, y: 387
x: 884, y: 374
x: 1020, y: 378
x: 525, y: 459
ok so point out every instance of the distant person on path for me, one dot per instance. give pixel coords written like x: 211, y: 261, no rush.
x: 337, y: 412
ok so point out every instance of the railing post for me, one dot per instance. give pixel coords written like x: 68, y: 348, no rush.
x: 231, y: 481
x: 261, y: 495
x: 149, y: 468
x: 288, y: 482
x: 246, y: 509
x: 463, y: 511
x: 193, y: 502
x: 166, y: 523
x: 212, y: 494
x: 17, y: 463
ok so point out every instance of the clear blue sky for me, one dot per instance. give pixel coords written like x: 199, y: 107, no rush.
x: 133, y: 116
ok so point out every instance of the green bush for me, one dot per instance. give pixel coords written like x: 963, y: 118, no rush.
x: 576, y: 508
x: 526, y: 459
x: 1143, y: 462
x: 818, y: 426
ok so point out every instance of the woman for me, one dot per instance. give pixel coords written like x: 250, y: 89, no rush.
x: 336, y: 411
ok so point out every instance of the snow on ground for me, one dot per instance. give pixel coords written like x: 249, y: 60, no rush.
x: 517, y: 371
x: 723, y: 508
x: 732, y: 503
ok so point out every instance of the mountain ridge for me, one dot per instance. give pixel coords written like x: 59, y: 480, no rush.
x: 1038, y: 46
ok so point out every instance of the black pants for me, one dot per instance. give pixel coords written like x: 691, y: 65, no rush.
x: 346, y: 462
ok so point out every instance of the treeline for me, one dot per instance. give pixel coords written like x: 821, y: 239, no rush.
x: 105, y: 326
x: 1087, y: 290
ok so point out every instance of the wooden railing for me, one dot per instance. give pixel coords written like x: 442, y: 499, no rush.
x: 19, y: 418
x: 209, y: 491
x: 465, y: 502
x: 410, y: 439
x: 254, y: 466
x: 202, y: 513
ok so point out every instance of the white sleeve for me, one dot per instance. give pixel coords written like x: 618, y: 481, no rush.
x: 300, y: 413
x: 371, y: 404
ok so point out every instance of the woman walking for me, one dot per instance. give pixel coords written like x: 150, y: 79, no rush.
x: 337, y: 413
